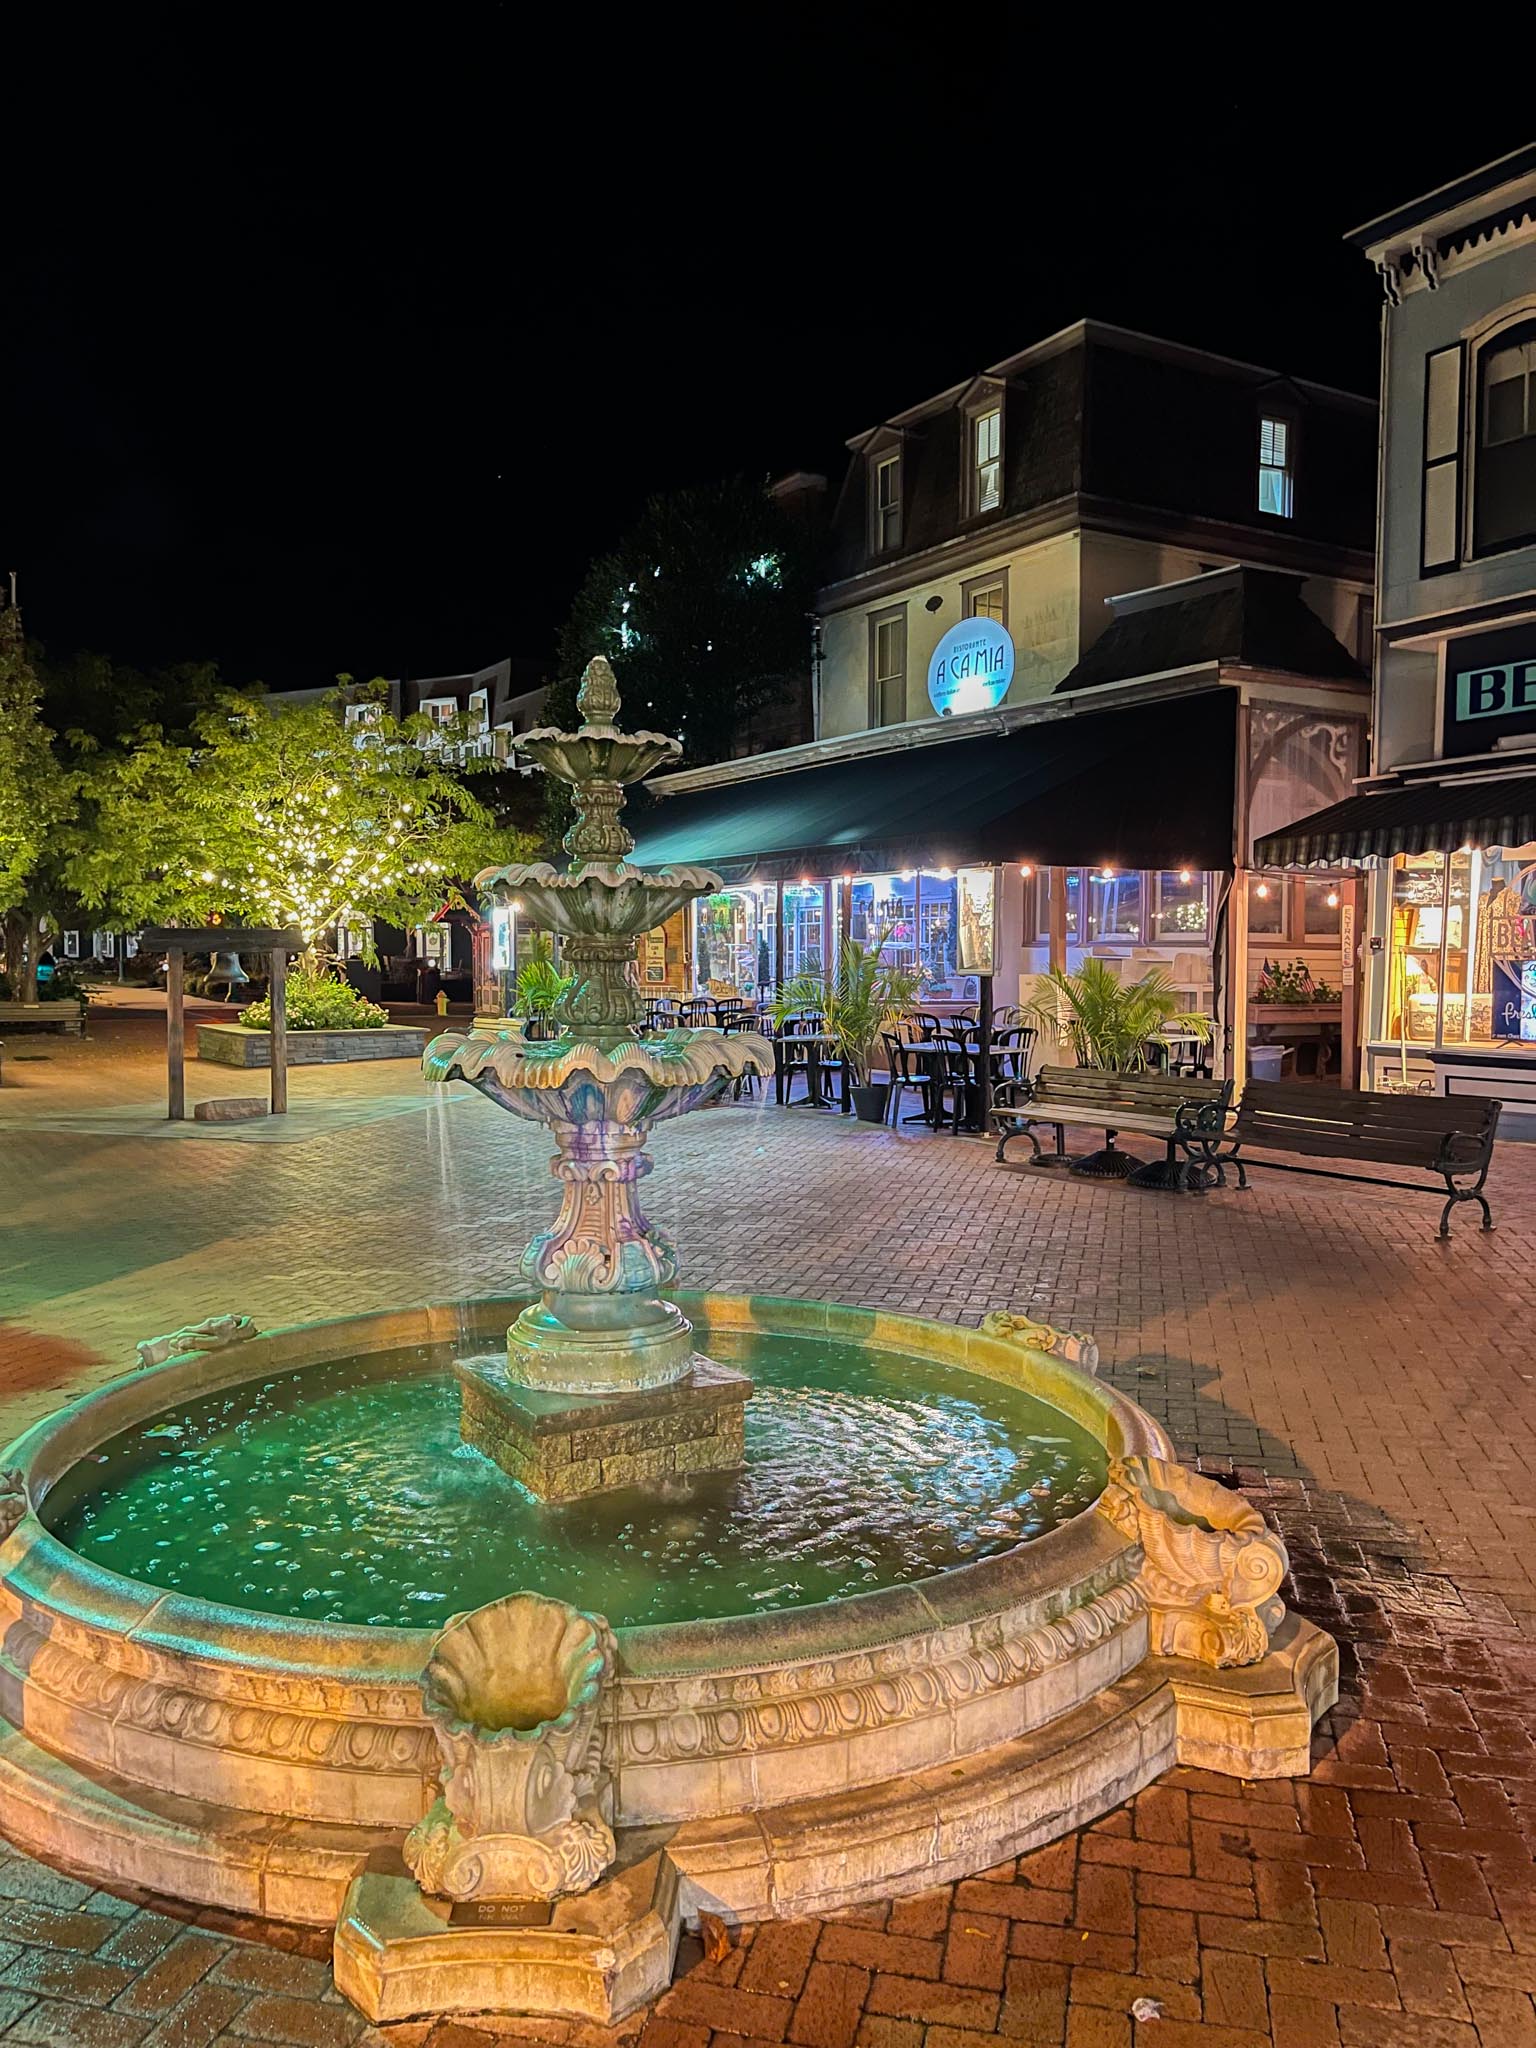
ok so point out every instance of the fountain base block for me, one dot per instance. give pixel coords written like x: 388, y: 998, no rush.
x: 400, y: 1953
x: 567, y: 1446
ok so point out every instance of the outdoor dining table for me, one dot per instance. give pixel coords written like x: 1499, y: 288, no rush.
x: 1002, y: 1060
x: 815, y: 1043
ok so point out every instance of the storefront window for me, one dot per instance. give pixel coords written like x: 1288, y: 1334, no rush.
x: 1463, y: 971
x: 1321, y: 910
x: 805, y: 928
x: 936, y: 928
x: 1114, y: 905
x: 1183, y: 908
x: 1266, y: 907
x: 885, y: 904
x: 1074, y: 893
x: 733, y: 940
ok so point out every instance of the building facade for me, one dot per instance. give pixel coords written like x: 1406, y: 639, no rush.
x: 1445, y: 823
x: 1095, y: 462
x: 1094, y: 624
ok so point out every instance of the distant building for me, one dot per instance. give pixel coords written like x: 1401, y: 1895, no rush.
x: 495, y: 703
x: 1446, y: 820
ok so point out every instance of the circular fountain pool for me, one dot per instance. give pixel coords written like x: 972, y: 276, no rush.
x: 897, y: 1708
x: 342, y: 1493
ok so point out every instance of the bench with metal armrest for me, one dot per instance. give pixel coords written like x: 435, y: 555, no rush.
x: 1187, y: 1113
x: 1447, y: 1135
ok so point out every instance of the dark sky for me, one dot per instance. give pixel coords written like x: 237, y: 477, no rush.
x: 341, y: 339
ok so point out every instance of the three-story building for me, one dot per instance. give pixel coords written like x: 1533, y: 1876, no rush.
x: 1445, y: 822
x: 1094, y: 617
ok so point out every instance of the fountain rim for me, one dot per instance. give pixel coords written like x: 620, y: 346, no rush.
x: 44, y: 1569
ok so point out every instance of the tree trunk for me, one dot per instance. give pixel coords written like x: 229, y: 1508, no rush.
x: 23, y: 943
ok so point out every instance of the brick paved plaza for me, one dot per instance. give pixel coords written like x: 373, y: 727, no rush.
x: 1367, y: 1386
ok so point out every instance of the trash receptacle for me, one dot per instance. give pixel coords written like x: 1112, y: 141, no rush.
x: 1267, y: 1062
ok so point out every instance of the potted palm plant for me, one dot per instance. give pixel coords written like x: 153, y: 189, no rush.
x: 1107, y: 1022
x: 540, y: 985
x: 862, y: 996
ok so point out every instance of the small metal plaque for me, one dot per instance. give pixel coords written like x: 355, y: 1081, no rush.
x: 501, y: 1913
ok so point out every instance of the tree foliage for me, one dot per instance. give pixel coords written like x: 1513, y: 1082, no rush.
x: 701, y: 607
x: 286, y: 815
x: 39, y: 804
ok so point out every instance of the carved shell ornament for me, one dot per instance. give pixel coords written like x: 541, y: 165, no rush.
x: 518, y: 1670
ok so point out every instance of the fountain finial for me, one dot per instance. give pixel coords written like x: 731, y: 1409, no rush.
x: 598, y: 698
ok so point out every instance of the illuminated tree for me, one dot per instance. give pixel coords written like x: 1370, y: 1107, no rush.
x: 39, y: 796
x: 291, y: 816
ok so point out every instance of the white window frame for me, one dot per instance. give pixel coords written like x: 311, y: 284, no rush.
x: 885, y: 517
x: 977, y: 464
x: 894, y: 616
x: 1279, y: 462
x: 71, y: 945
x: 983, y: 586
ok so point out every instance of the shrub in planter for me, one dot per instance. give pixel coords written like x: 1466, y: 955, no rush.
x: 318, y: 1002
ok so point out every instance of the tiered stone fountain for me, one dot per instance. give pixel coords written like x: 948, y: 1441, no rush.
x: 959, y: 1600
x: 603, y: 1387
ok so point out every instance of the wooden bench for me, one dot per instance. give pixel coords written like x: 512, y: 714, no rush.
x: 1448, y: 1135
x: 1187, y: 1113
x: 66, y: 1014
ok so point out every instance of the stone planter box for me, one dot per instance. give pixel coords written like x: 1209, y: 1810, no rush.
x: 233, y: 1045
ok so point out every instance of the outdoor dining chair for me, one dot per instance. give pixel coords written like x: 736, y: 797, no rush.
x: 909, y: 1069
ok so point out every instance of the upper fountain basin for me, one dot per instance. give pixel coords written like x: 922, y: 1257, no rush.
x: 573, y: 1080
x: 606, y: 899
x: 597, y: 753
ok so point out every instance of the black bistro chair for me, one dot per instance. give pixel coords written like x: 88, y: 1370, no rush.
x: 1014, y: 1044
x: 663, y: 1016
x: 698, y: 1014
x: 909, y: 1069
x: 794, y: 1053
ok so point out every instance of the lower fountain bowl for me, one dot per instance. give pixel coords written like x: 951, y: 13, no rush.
x: 789, y: 1760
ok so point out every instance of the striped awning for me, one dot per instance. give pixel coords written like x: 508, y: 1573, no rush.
x: 1419, y: 817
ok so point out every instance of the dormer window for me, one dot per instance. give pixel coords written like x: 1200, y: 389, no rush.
x: 1277, y: 477
x: 885, y: 503
x: 986, y: 470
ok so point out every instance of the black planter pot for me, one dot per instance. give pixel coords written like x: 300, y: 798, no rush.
x: 869, y: 1103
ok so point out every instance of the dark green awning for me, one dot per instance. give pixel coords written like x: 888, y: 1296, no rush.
x: 1151, y: 786
x: 1420, y: 817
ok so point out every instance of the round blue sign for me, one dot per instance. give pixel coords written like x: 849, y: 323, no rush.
x: 971, y: 668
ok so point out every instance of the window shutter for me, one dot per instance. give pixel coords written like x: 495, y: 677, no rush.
x: 1440, y: 546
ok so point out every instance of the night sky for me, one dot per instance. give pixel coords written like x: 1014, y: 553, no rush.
x: 342, y: 339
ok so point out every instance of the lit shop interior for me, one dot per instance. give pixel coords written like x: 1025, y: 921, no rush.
x: 1457, y: 936
x: 1119, y: 834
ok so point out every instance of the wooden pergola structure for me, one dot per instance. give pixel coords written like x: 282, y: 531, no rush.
x: 177, y: 941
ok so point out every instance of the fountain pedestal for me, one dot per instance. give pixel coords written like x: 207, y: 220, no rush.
x: 563, y: 1446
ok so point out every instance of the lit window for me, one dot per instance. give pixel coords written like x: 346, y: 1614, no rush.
x: 888, y: 669
x: 1183, y: 910
x: 987, y: 459
x: 1505, y: 480
x: 1266, y: 906
x: 1114, y: 904
x: 988, y: 601
x: 1277, y: 483
x: 885, y: 504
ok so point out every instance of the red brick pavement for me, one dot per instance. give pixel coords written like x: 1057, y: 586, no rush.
x: 1367, y: 1387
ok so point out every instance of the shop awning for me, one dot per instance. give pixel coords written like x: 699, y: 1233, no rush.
x: 1150, y: 786
x: 1419, y: 817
